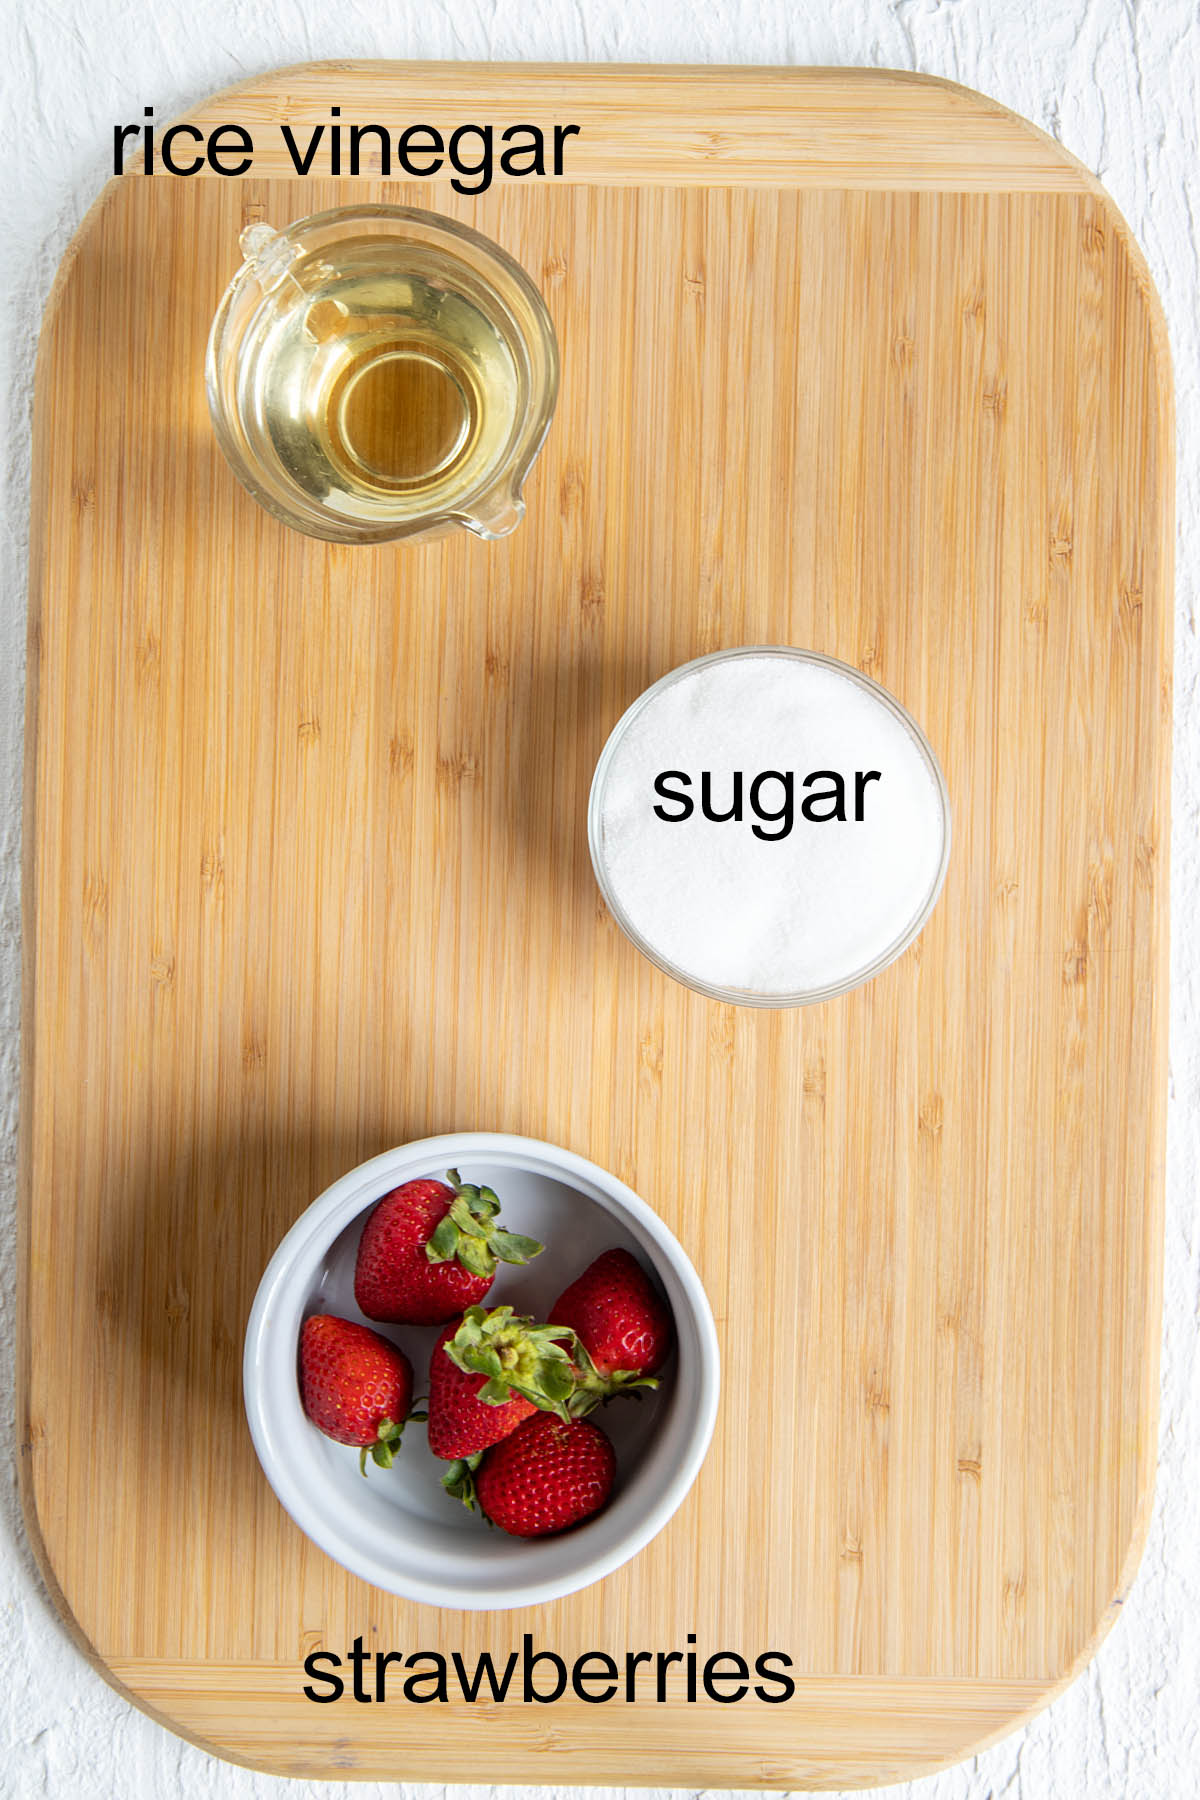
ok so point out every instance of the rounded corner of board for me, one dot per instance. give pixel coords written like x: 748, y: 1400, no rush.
x: 42, y: 1555
x: 87, y: 227
x: 123, y: 1679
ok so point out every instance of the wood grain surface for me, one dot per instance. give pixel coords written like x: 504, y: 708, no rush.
x: 850, y: 361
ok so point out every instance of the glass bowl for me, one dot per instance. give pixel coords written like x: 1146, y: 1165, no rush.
x: 888, y: 944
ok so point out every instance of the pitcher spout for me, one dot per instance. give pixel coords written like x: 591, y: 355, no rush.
x: 497, y: 514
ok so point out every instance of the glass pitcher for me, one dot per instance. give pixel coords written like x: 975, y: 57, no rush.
x: 382, y: 372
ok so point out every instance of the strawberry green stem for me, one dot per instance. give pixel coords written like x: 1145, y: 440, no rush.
x: 593, y: 1389
x: 459, y: 1479
x: 518, y: 1356
x: 470, y: 1234
x: 383, y: 1451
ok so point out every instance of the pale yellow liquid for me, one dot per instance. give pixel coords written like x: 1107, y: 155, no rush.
x: 380, y: 391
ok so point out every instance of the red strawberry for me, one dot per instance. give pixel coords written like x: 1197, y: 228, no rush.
x: 428, y: 1251
x: 548, y: 1476
x: 490, y: 1371
x: 355, y: 1386
x: 624, y: 1328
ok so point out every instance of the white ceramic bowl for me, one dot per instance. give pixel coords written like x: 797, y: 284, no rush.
x: 397, y: 1528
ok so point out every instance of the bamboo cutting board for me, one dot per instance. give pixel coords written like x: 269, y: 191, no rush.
x: 851, y: 360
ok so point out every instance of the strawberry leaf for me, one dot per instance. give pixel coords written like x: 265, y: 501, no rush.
x: 459, y: 1479
x: 463, y: 1217
x: 496, y: 1393
x: 443, y: 1242
x: 511, y: 1247
x: 475, y: 1255
x: 383, y: 1451
x: 482, y: 1203
x: 558, y: 1382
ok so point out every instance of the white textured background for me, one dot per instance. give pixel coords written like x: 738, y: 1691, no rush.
x: 1119, y: 82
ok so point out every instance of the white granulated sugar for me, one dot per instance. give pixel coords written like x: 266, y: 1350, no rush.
x: 805, y: 911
